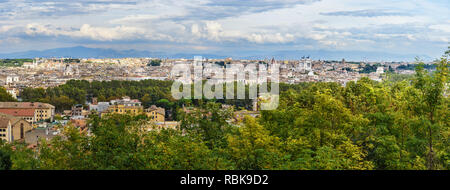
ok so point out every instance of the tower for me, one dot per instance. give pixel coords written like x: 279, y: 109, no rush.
x: 305, y: 64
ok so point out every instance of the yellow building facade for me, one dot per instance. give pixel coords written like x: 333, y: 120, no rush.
x: 122, y: 109
x: 155, y: 114
x: 30, y: 111
x: 13, y: 128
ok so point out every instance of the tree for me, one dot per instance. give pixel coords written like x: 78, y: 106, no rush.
x: 253, y: 148
x: 209, y: 122
x: 5, y: 96
x: 5, y: 160
x: 431, y: 88
x: 155, y: 62
x: 62, y: 103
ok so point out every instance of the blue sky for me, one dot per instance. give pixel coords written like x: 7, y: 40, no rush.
x: 395, y: 26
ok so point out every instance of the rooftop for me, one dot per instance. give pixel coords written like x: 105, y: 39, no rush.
x: 5, y: 119
x: 25, y: 105
x: 18, y: 112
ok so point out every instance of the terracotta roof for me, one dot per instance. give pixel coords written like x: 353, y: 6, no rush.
x: 79, y: 122
x: 18, y: 112
x: 24, y: 105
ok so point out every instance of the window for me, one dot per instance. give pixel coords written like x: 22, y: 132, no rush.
x: 21, y: 131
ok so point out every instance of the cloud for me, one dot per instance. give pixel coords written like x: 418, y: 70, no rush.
x: 441, y: 27
x: 271, y: 38
x: 140, y: 18
x: 109, y: 34
x: 214, y: 31
x: 215, y: 9
x: 5, y: 28
x: 87, y: 31
x: 227, y: 25
x: 258, y: 5
x: 45, y: 8
x: 195, y: 30
x: 366, y: 13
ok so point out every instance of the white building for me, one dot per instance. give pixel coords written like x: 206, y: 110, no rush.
x: 12, y: 79
x: 12, y: 91
x: 380, y: 70
x: 99, y: 107
x: 305, y: 64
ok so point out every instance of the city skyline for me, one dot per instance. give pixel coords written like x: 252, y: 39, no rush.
x: 230, y: 27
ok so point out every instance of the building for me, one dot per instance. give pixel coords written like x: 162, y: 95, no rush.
x: 126, y: 101
x: 25, y: 114
x: 14, y: 92
x: 13, y: 128
x: 12, y: 79
x: 133, y: 107
x: 124, y: 106
x: 77, y: 110
x: 98, y: 107
x: 42, y: 111
x: 156, y: 114
x: 380, y: 70
x: 305, y: 64
x: 30, y: 65
x: 124, y: 109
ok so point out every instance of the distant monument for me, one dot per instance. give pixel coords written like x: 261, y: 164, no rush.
x: 380, y: 70
x: 305, y: 64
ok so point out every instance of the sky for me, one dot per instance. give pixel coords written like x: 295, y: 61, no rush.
x: 226, y: 26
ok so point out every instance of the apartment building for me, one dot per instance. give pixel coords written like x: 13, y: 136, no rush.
x: 156, y: 114
x: 42, y: 111
x: 124, y: 106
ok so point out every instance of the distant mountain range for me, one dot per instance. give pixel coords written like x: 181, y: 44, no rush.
x: 85, y: 52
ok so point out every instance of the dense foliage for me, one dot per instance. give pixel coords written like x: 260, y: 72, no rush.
x: 149, y: 92
x: 13, y: 62
x: 155, y: 62
x: 5, y: 96
x: 413, y: 67
x: 369, y: 68
x: 81, y: 91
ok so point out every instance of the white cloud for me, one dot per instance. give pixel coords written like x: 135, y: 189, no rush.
x: 195, y: 30
x: 271, y: 38
x: 441, y: 27
x: 214, y: 31
x: 109, y: 34
x: 6, y: 28
x: 95, y: 33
